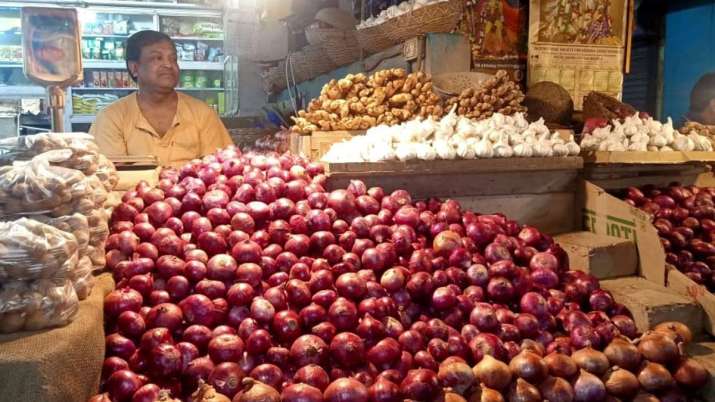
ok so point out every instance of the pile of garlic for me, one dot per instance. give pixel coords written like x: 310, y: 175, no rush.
x: 454, y: 137
x: 638, y: 134
x: 396, y: 11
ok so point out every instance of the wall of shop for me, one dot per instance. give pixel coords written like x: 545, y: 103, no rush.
x: 689, y: 52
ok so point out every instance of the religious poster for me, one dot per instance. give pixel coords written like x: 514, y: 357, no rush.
x: 579, y: 44
x: 498, y: 34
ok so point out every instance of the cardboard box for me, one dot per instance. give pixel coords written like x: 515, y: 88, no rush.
x: 604, y: 214
x: 601, y: 256
x: 652, y: 304
x: 704, y: 353
x: 685, y: 287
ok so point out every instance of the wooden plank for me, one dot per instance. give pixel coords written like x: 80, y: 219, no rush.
x: 465, y: 183
x: 458, y: 165
x: 638, y: 181
x: 602, y: 157
x: 321, y: 141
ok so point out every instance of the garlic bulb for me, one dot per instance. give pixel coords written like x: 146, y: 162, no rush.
x: 560, y: 150
x: 425, y: 152
x: 502, y: 149
x: 465, y: 150
x: 484, y: 149
x: 572, y: 148
x: 444, y: 150
x: 523, y: 150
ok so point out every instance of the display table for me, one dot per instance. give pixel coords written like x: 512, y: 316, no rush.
x: 618, y: 170
x: 60, y: 364
x: 535, y: 191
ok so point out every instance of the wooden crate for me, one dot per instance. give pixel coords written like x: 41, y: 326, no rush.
x: 535, y: 191
x: 318, y: 143
x: 618, y: 170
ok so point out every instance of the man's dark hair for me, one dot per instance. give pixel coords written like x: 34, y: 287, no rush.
x: 703, y: 92
x: 140, y: 40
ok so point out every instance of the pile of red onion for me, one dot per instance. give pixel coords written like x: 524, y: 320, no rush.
x: 685, y: 220
x: 243, y: 272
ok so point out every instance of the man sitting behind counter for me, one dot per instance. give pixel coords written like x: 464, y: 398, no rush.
x: 156, y: 119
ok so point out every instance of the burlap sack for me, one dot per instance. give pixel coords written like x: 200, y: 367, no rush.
x: 57, y: 365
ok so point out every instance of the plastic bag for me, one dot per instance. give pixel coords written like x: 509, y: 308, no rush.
x: 29, y: 146
x: 36, y: 186
x: 98, y: 257
x: 107, y: 173
x: 33, y: 305
x: 33, y: 250
x: 98, y: 226
x: 98, y: 191
x: 82, y: 278
x: 75, y: 224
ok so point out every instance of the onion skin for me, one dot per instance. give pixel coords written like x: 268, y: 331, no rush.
x: 679, y: 329
x: 658, y: 348
x: 624, y: 354
x: 529, y: 366
x: 456, y: 375
x: 653, y: 377
x: 690, y: 374
x: 346, y: 389
x: 522, y: 391
x: 256, y: 391
x: 484, y: 394
x: 420, y: 385
x: 301, y: 393
x: 591, y: 360
x: 561, y: 365
x: 207, y: 393
x: 555, y: 389
x: 588, y: 388
x: 621, y: 383
x: 492, y: 373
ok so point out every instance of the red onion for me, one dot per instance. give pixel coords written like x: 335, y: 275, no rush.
x: 301, y: 393
x: 346, y: 389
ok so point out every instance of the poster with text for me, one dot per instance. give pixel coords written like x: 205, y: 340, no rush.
x: 579, y: 44
x: 498, y: 30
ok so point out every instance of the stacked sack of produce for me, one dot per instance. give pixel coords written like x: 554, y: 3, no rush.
x: 241, y: 278
x: 52, y: 199
x: 640, y: 132
x: 452, y: 137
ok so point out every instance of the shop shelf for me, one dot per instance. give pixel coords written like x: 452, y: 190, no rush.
x: 11, y: 91
x: 82, y: 118
x: 184, y: 65
x: 96, y: 89
x: 198, y: 38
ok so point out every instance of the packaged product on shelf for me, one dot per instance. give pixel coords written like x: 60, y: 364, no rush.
x: 201, y: 53
x: 34, y: 305
x: 37, y: 186
x: 34, y: 250
x: 187, y: 52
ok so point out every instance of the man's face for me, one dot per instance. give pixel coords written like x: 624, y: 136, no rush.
x: 157, y: 66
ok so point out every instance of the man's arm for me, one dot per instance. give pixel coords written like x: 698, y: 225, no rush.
x: 213, y: 133
x: 107, y: 132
